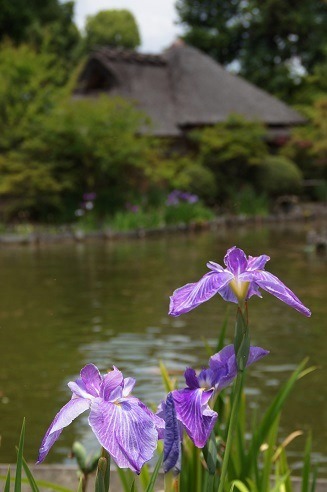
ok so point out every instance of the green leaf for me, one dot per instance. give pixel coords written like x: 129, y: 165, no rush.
x: 30, y: 477
x: 270, y: 416
x: 79, y: 453
x: 241, y: 340
x: 280, y: 482
x: 239, y: 486
x: 80, y: 484
x: 92, y: 463
x: 314, y: 479
x: 268, y: 454
x: 145, y: 476
x: 125, y: 478
x: 100, y: 476
x: 7, y: 484
x: 18, y: 477
x: 150, y: 487
x: 42, y: 483
x: 106, y: 478
x: 284, y: 469
x: 169, y: 383
x: 210, y: 454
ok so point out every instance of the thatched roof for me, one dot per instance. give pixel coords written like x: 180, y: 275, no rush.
x: 180, y: 89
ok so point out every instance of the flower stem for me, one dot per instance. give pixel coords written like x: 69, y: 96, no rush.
x: 242, y: 348
x: 231, y: 428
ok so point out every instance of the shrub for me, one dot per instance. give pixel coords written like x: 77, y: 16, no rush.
x: 278, y: 175
x: 250, y: 203
x: 84, y: 145
x: 230, y: 151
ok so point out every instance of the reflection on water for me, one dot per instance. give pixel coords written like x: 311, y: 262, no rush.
x: 107, y: 303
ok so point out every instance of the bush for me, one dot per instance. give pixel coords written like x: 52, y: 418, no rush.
x: 82, y: 146
x: 250, y: 203
x: 278, y: 175
x: 231, y: 151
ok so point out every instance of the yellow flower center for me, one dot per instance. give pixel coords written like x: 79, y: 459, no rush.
x: 239, y: 288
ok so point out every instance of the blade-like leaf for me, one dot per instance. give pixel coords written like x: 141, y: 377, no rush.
x: 100, y: 476
x: 280, y: 482
x: 19, y: 465
x: 125, y: 478
x: 150, y: 487
x: 80, y: 485
x: 237, y: 485
x: 7, y: 484
x: 210, y: 454
x: 106, y: 478
x: 268, y: 462
x: 30, y: 478
x: 270, y: 415
x: 168, y: 382
x: 42, y: 483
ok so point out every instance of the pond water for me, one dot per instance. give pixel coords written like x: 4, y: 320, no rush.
x: 63, y: 306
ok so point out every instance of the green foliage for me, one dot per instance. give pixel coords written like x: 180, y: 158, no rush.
x: 116, y: 28
x: 80, y: 145
x: 250, y: 203
x: 28, y: 89
x: 149, y: 218
x: 231, y: 151
x: 278, y: 176
x: 187, y: 213
x: 47, y: 24
x: 129, y: 220
x: 266, y: 39
x: 258, y: 461
x: 209, y: 27
x: 308, y: 145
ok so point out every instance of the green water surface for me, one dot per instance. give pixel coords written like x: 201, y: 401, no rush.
x: 63, y: 306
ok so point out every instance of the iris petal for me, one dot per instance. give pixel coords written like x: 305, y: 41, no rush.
x: 235, y: 260
x: 64, y: 417
x: 125, y: 431
x: 110, y: 382
x: 223, y: 364
x: 257, y: 262
x: 190, y: 296
x: 172, y: 439
x: 129, y: 384
x: 191, y: 378
x: 92, y: 379
x: 268, y: 282
x: 195, y: 414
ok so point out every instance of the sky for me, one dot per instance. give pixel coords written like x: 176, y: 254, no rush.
x: 155, y: 19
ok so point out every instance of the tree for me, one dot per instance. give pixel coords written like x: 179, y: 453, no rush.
x: 29, y: 88
x: 274, y: 42
x: 116, y: 28
x: 209, y: 27
x: 46, y: 24
x: 79, y: 146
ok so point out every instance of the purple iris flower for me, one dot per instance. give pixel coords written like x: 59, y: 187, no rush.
x: 190, y: 405
x: 123, y: 425
x: 242, y: 278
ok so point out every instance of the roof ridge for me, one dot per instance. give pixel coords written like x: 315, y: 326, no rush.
x: 128, y: 55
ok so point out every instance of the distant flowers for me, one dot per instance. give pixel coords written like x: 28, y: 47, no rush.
x: 177, y: 196
x: 241, y: 278
x: 123, y: 425
x: 132, y: 207
x: 86, y: 204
